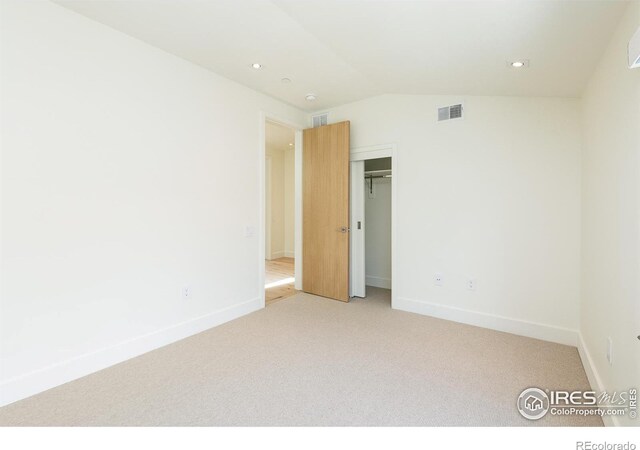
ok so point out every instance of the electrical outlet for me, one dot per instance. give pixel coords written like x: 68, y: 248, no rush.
x: 186, y: 293
x: 438, y: 279
x: 472, y: 284
x: 249, y: 231
x: 610, y: 351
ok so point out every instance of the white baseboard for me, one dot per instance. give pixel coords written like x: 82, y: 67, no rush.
x: 594, y: 378
x: 276, y: 255
x: 384, y: 283
x: 494, y: 322
x: 54, y: 375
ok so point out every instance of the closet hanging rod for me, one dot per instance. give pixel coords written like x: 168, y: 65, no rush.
x: 371, y: 177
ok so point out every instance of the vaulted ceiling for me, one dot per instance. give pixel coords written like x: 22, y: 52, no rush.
x: 343, y: 51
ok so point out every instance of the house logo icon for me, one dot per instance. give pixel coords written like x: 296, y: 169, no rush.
x: 533, y: 403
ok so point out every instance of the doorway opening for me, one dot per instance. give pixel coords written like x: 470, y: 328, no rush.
x: 280, y: 212
x: 377, y: 217
x: 372, y: 231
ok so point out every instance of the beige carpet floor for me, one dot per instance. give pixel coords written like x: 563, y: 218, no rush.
x: 306, y: 360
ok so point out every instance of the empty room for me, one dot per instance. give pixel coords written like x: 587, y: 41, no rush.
x: 340, y: 213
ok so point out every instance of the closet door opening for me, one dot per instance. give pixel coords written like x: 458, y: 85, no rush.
x: 371, y: 245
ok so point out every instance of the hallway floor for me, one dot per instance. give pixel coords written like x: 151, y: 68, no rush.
x: 279, y: 279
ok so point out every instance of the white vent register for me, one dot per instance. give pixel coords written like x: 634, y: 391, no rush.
x: 450, y: 112
x: 320, y: 120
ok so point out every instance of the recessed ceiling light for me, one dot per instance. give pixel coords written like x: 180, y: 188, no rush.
x: 290, y: 144
x: 286, y: 80
x: 311, y: 97
x: 256, y: 66
x: 522, y: 63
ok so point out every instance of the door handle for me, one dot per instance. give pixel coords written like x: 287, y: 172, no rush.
x: 344, y: 229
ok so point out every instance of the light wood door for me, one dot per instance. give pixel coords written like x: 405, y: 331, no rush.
x: 325, y: 210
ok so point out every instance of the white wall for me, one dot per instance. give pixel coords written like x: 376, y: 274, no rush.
x: 117, y: 163
x: 289, y: 202
x: 611, y: 216
x: 377, y: 231
x: 494, y: 197
x: 276, y: 192
x: 281, y: 192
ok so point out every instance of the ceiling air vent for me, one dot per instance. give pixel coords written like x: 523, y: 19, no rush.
x: 320, y: 120
x: 450, y: 112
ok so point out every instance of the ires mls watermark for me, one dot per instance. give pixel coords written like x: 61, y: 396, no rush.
x: 534, y: 403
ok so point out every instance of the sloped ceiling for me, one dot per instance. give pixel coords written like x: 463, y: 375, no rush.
x: 344, y: 51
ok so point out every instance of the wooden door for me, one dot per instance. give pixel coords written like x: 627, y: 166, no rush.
x: 325, y: 211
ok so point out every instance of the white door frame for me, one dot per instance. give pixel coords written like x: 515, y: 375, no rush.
x: 262, y: 152
x: 267, y: 196
x: 384, y: 151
